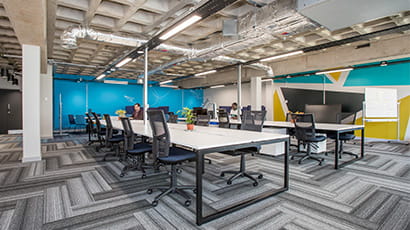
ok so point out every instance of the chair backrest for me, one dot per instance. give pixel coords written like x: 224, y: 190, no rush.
x: 110, y: 129
x: 128, y: 133
x: 304, y: 126
x: 71, y: 119
x: 350, y: 119
x: 173, y: 118
x: 80, y: 120
x: 160, y: 133
x: 97, y: 122
x: 253, y: 120
x: 90, y: 123
x: 203, y: 120
x: 223, y: 118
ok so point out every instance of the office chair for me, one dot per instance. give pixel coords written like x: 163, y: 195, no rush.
x: 100, y: 132
x: 223, y: 118
x: 252, y: 121
x: 173, y: 118
x: 203, y: 120
x: 80, y: 121
x: 71, y: 121
x: 112, y: 140
x: 169, y: 156
x: 134, y: 157
x: 343, y: 137
x: 305, y: 133
x: 91, y: 130
x: 291, y: 131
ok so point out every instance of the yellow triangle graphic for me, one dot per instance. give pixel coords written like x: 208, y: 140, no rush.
x: 278, y: 113
x: 336, y: 75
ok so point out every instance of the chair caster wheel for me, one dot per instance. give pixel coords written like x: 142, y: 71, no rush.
x: 154, y: 203
x: 229, y: 182
x: 179, y: 171
x: 143, y: 176
x: 194, y: 190
x: 149, y: 191
x: 222, y: 174
x: 187, y: 203
x: 292, y: 157
x: 255, y: 184
x: 122, y: 175
x: 260, y: 176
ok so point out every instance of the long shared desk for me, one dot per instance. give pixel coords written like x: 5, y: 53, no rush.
x: 327, y: 128
x: 204, y: 140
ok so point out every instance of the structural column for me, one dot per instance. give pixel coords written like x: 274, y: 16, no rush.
x: 31, y: 103
x: 239, y: 87
x: 145, y: 96
x: 256, y: 93
x: 46, y: 103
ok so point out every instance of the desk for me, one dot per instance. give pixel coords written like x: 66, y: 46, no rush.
x: 204, y: 140
x: 327, y: 128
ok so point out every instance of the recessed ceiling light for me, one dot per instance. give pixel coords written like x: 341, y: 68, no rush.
x: 191, y: 20
x: 282, y: 55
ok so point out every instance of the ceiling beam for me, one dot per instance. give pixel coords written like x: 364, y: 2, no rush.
x: 29, y: 23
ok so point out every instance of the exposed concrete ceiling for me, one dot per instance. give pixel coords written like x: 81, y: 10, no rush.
x: 144, y: 18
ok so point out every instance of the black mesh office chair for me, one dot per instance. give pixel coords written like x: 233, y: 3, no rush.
x: 306, y: 134
x: 168, y: 155
x: 223, y: 119
x: 203, y: 120
x: 252, y: 121
x: 100, y: 132
x: 173, y: 118
x: 291, y: 131
x: 91, y: 130
x: 343, y: 137
x: 134, y: 157
x: 111, y: 140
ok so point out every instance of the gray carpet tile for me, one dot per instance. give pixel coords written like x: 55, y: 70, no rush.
x: 73, y: 188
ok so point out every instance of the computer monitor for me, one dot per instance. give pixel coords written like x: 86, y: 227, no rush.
x: 200, y: 111
x: 324, y: 113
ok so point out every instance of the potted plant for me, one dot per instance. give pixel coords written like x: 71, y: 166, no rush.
x: 188, y: 113
x: 120, y: 113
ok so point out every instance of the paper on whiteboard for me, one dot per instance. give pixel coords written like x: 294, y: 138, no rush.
x: 380, y: 102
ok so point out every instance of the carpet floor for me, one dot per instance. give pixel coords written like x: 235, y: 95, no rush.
x: 72, y: 188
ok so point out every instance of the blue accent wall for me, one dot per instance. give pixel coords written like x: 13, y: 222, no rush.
x: 107, y: 98
x: 397, y: 74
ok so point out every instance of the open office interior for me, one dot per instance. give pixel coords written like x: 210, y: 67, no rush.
x: 204, y: 114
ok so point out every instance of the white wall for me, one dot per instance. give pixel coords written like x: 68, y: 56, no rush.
x: 227, y: 95
x: 46, y: 103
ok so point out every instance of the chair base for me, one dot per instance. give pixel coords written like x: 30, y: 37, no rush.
x: 137, y: 163
x: 115, y: 151
x: 238, y: 174
x: 172, y: 188
x: 242, y: 173
x: 310, y: 157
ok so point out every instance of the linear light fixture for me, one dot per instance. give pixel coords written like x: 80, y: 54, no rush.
x: 169, y: 86
x: 334, y: 71
x: 101, y: 76
x: 116, y: 82
x: 217, y: 86
x: 205, y: 73
x: 266, y: 80
x: 123, y: 62
x: 191, y: 20
x: 282, y: 55
x: 165, y: 82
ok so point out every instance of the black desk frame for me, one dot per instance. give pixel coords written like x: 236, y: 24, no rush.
x: 200, y: 219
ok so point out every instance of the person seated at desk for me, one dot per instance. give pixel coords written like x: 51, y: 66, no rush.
x: 138, y: 113
x: 234, y: 114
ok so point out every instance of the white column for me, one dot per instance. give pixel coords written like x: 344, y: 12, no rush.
x: 267, y: 99
x: 239, y: 87
x: 145, y: 96
x: 256, y: 93
x: 31, y: 103
x: 46, y: 103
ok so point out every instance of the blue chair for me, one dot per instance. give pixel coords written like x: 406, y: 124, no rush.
x: 80, y: 121
x: 71, y: 121
x: 167, y: 155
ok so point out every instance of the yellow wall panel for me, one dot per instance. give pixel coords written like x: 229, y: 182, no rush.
x: 278, y: 113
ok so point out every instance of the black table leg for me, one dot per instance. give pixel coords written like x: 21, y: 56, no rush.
x: 199, y: 167
x: 337, y: 151
x: 362, y: 145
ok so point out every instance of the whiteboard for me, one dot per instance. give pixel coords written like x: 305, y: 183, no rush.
x: 380, y: 102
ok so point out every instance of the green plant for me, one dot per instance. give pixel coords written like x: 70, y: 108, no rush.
x: 188, y: 113
x: 120, y: 112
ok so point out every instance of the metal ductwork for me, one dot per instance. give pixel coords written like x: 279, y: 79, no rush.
x: 255, y: 28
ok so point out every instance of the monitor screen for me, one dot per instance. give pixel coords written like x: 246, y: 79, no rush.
x: 324, y: 113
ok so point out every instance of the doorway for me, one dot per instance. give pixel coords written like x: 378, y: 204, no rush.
x: 10, y: 110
